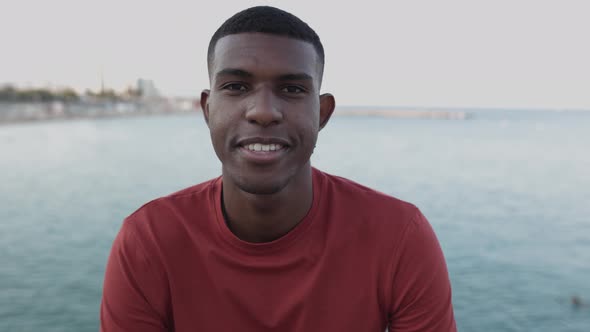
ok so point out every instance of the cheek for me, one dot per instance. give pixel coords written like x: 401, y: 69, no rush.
x: 217, y: 129
x: 221, y: 118
x: 308, y: 131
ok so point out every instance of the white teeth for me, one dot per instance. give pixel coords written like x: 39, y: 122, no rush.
x: 263, y: 147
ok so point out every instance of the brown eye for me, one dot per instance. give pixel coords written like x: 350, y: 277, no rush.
x: 292, y: 89
x: 235, y: 87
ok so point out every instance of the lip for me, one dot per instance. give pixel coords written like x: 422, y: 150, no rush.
x: 262, y: 157
x: 263, y: 140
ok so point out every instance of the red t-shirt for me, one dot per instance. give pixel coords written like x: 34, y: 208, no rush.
x: 359, y: 261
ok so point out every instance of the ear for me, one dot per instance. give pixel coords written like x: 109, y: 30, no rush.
x: 327, y: 105
x: 205, y: 104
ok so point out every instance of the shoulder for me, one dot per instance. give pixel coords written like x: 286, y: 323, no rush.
x: 189, y: 197
x: 171, y: 216
x: 364, y: 214
x: 366, y: 202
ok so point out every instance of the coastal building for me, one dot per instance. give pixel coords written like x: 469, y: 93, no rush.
x: 147, y: 89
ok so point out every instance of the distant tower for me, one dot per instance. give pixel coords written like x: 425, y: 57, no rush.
x: 101, y: 81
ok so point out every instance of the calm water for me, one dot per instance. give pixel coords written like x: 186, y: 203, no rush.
x: 507, y: 193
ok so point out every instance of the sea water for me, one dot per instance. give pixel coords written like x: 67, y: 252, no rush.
x: 507, y: 192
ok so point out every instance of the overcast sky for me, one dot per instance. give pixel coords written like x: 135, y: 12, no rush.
x: 468, y: 53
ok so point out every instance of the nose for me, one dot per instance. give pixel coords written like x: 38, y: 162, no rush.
x: 264, y: 109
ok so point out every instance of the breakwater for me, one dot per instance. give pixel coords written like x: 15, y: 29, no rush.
x: 405, y: 113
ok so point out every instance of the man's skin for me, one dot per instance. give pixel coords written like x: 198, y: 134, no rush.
x: 265, y: 89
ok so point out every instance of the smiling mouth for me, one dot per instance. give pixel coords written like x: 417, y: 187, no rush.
x: 263, y: 150
x: 263, y: 144
x: 259, y: 147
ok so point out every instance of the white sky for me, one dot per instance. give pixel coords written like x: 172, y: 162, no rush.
x: 454, y: 53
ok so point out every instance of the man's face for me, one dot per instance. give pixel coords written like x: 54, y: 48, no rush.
x: 264, y: 110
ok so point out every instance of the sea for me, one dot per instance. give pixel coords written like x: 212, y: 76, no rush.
x: 507, y: 192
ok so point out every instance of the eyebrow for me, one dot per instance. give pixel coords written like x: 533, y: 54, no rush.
x: 233, y: 72
x: 245, y: 74
x: 295, y: 77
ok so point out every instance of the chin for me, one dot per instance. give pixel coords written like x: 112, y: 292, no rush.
x: 261, y: 187
x: 263, y: 180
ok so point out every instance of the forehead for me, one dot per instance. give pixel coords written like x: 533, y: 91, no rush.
x: 261, y: 53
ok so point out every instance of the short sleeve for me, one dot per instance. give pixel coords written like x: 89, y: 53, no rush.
x: 421, y: 290
x: 133, y: 293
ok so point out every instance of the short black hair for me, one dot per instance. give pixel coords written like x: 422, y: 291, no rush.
x: 266, y: 19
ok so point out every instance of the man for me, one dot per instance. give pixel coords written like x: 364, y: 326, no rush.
x: 273, y: 244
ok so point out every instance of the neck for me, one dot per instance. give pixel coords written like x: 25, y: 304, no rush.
x: 264, y: 218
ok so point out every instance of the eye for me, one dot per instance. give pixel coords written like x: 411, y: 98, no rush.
x: 292, y: 89
x: 235, y: 87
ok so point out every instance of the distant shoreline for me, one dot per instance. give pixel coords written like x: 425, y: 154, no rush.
x: 12, y: 113
x: 91, y: 117
x: 28, y: 112
x: 49, y: 111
